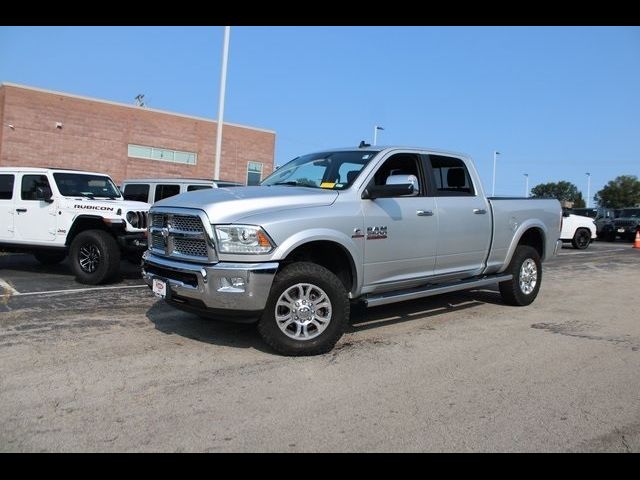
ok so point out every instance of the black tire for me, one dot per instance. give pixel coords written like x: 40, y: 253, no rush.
x: 320, y: 281
x: 511, y: 290
x: 95, y: 257
x: 581, y: 239
x: 50, y: 258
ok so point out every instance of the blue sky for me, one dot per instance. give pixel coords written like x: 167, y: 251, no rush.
x: 555, y: 101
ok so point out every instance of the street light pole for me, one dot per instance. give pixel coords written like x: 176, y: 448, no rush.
x: 375, y: 134
x: 223, y: 84
x: 526, y: 185
x: 493, y: 188
x: 588, y: 187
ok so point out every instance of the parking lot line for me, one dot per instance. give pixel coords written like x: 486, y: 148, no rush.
x: 598, y: 251
x: 73, y: 290
x: 4, y: 285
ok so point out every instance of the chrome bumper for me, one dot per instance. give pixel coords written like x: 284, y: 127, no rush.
x: 223, y: 286
x: 557, y: 248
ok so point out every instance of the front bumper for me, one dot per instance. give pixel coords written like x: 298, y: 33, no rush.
x: 132, y: 241
x: 232, y: 289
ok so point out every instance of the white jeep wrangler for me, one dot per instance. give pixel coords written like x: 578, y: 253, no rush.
x: 53, y: 213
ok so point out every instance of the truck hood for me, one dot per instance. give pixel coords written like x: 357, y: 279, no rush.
x: 103, y: 205
x: 228, y: 205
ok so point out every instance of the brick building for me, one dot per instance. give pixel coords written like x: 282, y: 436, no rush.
x: 41, y: 128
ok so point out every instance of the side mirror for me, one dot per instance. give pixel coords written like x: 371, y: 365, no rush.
x: 44, y: 194
x: 396, y: 186
x: 566, y: 213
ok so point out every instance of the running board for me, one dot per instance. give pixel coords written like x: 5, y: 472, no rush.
x: 420, y: 292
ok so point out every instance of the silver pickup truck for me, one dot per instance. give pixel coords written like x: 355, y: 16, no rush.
x: 378, y: 225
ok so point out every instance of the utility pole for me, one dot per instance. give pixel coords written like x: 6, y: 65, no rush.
x: 223, y: 84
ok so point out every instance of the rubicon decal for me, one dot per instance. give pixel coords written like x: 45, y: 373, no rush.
x: 94, y: 207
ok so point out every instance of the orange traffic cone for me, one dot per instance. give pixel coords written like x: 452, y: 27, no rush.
x: 636, y: 244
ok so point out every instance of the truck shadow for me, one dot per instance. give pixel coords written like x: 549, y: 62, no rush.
x: 174, y: 322
x: 18, y: 263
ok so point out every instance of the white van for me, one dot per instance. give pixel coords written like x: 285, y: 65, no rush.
x: 151, y: 190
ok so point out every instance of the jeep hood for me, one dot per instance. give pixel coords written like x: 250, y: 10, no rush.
x: 229, y: 205
x: 103, y: 205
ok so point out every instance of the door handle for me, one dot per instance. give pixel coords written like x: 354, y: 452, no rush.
x: 21, y: 210
x: 479, y: 211
x: 424, y: 213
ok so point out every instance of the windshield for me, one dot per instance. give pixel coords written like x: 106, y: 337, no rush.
x: 585, y: 212
x: 630, y: 212
x: 332, y: 170
x: 85, y: 185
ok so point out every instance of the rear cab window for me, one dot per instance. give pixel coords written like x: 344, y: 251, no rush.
x: 450, y: 177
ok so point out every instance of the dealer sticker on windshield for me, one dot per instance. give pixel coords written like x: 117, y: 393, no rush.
x: 159, y: 288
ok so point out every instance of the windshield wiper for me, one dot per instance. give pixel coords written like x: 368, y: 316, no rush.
x: 294, y: 184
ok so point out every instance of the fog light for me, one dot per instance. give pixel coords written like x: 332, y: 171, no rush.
x: 232, y: 284
x: 203, y: 272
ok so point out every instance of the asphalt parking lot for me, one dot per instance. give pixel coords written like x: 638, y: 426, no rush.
x: 113, y: 369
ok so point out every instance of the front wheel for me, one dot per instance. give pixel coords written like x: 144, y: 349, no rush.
x: 95, y: 257
x: 526, y: 269
x: 581, y: 239
x: 307, y: 311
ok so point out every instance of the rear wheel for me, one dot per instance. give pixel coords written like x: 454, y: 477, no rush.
x: 95, y: 257
x: 50, y: 258
x: 526, y: 269
x: 307, y: 311
x: 581, y: 239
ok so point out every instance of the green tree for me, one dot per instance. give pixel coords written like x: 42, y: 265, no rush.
x: 622, y: 192
x: 562, y: 191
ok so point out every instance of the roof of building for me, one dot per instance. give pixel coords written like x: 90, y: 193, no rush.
x: 135, y: 107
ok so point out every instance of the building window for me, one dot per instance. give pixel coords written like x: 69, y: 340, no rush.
x: 162, y: 154
x: 254, y: 173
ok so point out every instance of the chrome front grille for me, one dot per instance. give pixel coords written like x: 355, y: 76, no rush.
x: 181, y: 236
x: 187, y: 223
x: 190, y: 247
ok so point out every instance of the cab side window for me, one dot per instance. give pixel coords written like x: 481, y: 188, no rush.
x: 166, y: 191
x: 6, y: 187
x: 450, y: 177
x: 191, y: 188
x: 399, y: 164
x: 138, y: 192
x: 30, y: 184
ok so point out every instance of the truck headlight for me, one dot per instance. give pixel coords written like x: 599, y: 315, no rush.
x: 132, y: 218
x: 242, y: 239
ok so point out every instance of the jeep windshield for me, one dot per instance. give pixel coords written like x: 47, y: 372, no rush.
x: 85, y: 185
x: 331, y: 170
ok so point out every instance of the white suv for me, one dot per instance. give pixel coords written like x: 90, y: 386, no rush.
x: 152, y: 190
x: 578, y: 230
x: 53, y: 213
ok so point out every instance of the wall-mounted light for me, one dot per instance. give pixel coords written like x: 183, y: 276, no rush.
x: 10, y: 125
x: 58, y: 124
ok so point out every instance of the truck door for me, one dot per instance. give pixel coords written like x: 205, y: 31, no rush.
x: 464, y: 218
x: 35, y: 218
x: 400, y: 233
x: 7, y: 181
